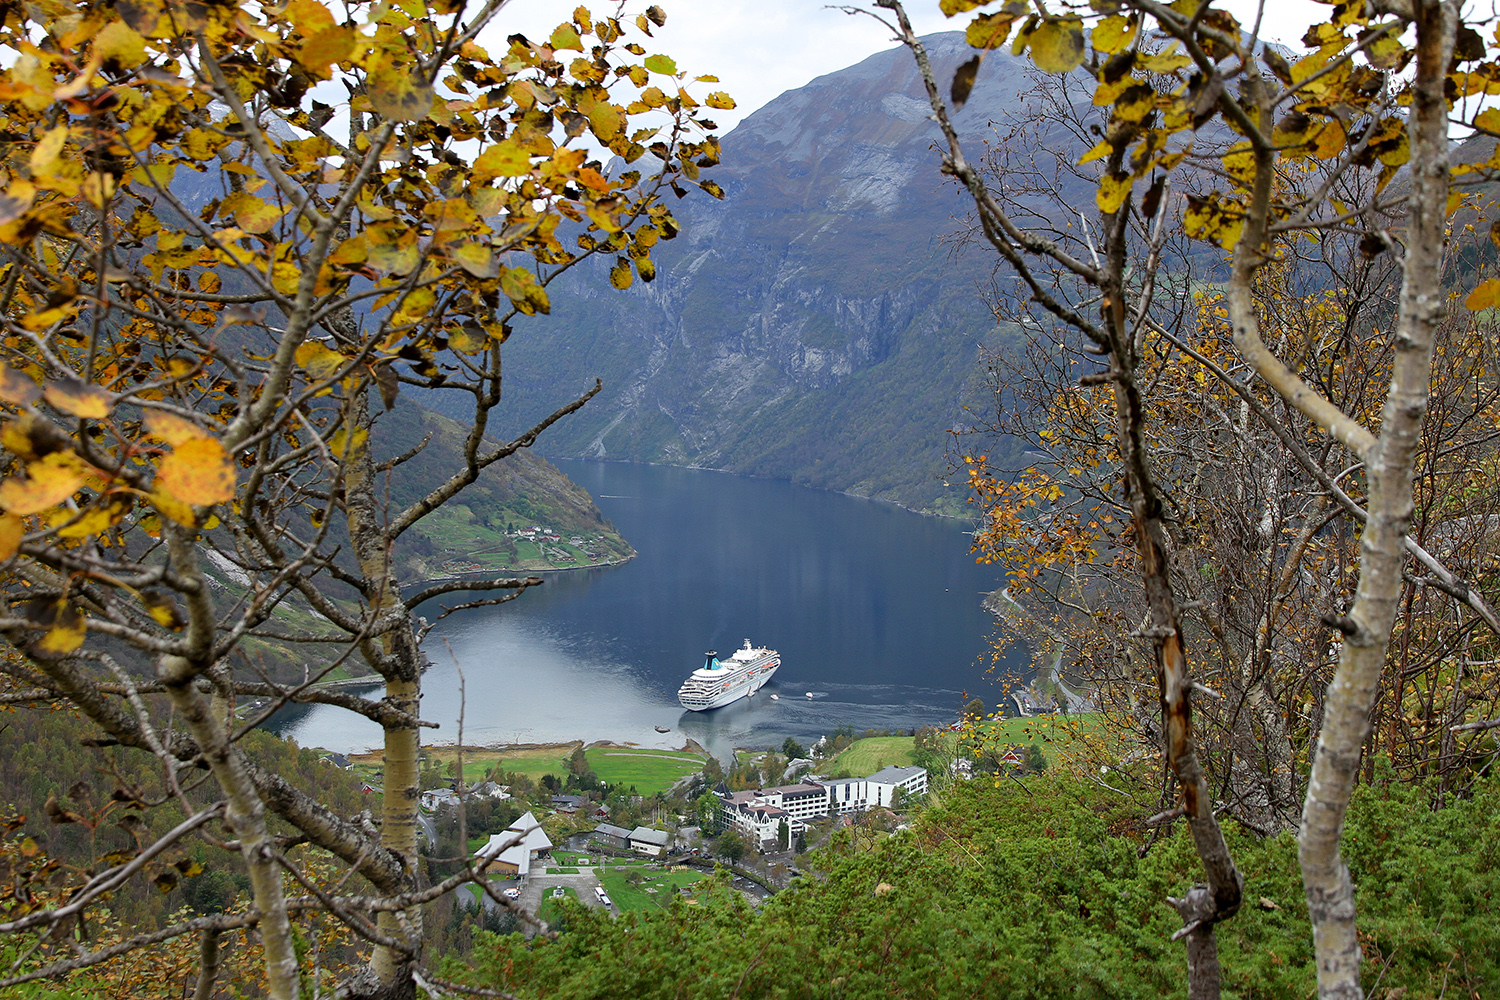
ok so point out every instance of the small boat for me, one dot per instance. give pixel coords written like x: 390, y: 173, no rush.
x: 775, y: 697
x: 809, y: 694
x: 663, y: 729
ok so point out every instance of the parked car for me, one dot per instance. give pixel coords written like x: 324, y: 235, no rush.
x: 512, y: 893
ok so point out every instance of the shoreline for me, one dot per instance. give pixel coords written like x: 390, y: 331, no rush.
x: 513, y: 571
x: 766, y: 479
x: 690, y: 746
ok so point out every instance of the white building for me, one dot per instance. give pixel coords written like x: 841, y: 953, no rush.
x: 883, y: 784
x: 645, y: 840
x: 433, y: 798
x: 512, y: 852
x: 758, y: 814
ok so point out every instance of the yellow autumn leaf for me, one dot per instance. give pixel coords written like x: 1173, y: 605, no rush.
x: 98, y: 188
x: 198, y: 472
x: 91, y: 522
x: 504, y: 159
x: 65, y: 635
x: 1113, y: 190
x: 468, y: 339
x: 163, y: 609
x: 172, y: 429
x: 1057, y: 46
x: 620, y: 275
x: 1164, y: 62
x: 1488, y: 120
x: 252, y: 214
x: 1114, y: 33
x: 173, y: 508
x: 11, y: 532
x: 341, y: 444
x: 49, y: 481
x: 1099, y: 152
x: 1484, y: 295
x: 1329, y: 142
x: 120, y: 42
x: 47, y: 150
x: 16, y: 388
x: 604, y: 117
x: 475, y: 259
x: 319, y: 362
x: 79, y: 398
x: 397, y: 94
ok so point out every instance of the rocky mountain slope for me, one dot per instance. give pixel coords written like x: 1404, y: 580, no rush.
x: 814, y: 325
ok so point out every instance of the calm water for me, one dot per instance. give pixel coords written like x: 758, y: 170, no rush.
x: 874, y: 609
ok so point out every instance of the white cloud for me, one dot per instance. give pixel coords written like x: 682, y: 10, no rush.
x: 761, y: 48
x: 757, y: 48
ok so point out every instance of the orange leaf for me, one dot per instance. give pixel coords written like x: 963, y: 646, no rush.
x: 1484, y: 295
x: 197, y: 472
x: 11, y: 531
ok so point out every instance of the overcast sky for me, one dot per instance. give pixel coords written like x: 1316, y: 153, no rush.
x: 760, y: 48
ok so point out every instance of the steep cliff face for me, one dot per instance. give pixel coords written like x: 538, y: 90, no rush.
x: 814, y: 325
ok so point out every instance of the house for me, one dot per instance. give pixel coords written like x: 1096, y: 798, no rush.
x: 338, y: 760
x: 601, y: 811
x: 490, y: 790
x: 568, y: 803
x: 434, y: 798
x: 645, y: 840
x: 612, y: 836
x: 514, y: 851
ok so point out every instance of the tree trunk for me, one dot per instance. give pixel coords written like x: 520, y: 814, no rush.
x: 395, y: 655
x: 1389, y: 473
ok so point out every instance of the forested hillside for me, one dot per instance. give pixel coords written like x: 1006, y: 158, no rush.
x: 1050, y: 890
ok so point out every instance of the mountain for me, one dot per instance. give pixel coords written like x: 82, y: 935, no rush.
x: 489, y: 527
x: 815, y: 325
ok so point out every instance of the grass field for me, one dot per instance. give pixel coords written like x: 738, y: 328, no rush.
x: 650, y: 771
x: 1052, y: 733
x: 866, y: 756
x: 530, y: 761
x: 627, y: 897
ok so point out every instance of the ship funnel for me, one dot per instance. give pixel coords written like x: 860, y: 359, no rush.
x: 711, y: 660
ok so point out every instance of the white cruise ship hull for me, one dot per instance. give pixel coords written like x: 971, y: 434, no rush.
x: 727, y: 683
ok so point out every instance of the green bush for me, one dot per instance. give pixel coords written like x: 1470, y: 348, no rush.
x: 1042, y: 892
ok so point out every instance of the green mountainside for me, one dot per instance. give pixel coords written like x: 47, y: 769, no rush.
x: 815, y: 326
x: 493, y: 525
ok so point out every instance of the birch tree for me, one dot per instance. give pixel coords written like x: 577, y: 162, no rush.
x: 1263, y: 143
x: 230, y: 235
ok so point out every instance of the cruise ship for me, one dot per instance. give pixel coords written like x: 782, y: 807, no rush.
x: 719, y: 682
